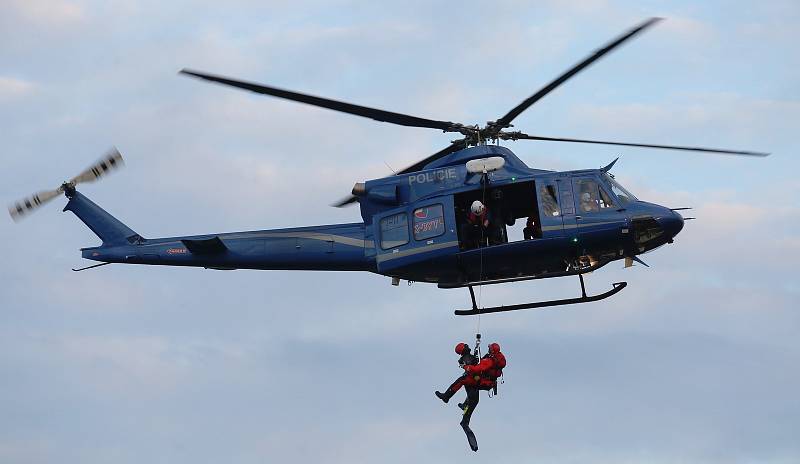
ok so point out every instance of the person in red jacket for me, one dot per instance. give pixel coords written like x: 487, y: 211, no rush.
x: 475, y: 230
x: 486, y: 372
x: 466, y: 359
x: 480, y: 376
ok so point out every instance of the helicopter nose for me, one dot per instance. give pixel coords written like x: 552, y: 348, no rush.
x: 672, y: 223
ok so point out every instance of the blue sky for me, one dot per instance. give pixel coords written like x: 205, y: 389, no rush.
x: 695, y: 362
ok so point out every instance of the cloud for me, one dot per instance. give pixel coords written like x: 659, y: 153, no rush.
x: 693, y: 120
x: 693, y: 361
x: 688, y: 29
x: 11, y: 88
x: 45, y: 13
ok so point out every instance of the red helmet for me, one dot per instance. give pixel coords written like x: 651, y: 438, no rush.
x: 461, y: 347
x: 494, y: 348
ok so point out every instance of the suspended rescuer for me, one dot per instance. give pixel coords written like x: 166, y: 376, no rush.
x: 466, y: 359
x: 480, y: 376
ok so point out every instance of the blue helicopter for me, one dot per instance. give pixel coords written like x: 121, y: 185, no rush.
x: 416, y: 222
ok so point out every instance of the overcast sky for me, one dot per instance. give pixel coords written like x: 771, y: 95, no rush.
x: 695, y: 362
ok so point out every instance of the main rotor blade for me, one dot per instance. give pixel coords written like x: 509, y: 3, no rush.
x: 453, y: 147
x: 521, y: 136
x: 346, y: 201
x: 27, y: 205
x: 110, y: 161
x: 367, y: 112
x: 505, y: 120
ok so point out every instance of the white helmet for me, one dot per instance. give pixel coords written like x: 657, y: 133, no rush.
x: 586, y: 197
x: 477, y: 208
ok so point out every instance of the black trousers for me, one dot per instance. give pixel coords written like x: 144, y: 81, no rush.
x: 473, y: 397
x: 472, y: 236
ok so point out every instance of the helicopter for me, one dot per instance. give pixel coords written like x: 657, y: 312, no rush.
x: 414, y: 222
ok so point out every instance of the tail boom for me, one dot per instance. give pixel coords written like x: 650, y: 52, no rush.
x: 335, y: 247
x: 339, y: 247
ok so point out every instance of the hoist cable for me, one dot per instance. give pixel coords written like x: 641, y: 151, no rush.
x: 484, y: 181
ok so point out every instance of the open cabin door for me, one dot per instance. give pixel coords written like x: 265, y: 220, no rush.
x: 407, y: 237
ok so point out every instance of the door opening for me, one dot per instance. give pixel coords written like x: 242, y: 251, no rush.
x: 506, y: 204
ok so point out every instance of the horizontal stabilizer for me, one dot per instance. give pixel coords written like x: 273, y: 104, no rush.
x: 206, y: 246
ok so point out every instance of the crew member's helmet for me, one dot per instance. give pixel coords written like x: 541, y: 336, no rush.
x: 461, y: 347
x: 494, y: 348
x: 477, y: 208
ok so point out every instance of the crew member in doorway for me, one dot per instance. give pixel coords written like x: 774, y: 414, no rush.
x: 530, y: 228
x: 500, y: 217
x: 476, y: 228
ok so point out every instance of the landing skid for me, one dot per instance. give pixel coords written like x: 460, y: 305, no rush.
x: 584, y: 298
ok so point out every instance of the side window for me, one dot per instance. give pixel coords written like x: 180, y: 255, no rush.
x: 588, y: 195
x: 549, y: 200
x: 428, y: 222
x: 394, y: 231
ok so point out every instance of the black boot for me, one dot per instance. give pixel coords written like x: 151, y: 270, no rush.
x: 473, y: 442
x: 463, y: 405
x: 444, y: 396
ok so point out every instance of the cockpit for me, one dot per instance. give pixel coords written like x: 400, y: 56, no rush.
x: 624, y: 195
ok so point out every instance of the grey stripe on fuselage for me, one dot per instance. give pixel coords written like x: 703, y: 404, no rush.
x: 577, y: 226
x: 413, y: 251
x: 350, y: 241
x: 355, y: 242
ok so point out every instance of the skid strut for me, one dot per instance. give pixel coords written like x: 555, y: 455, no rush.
x: 584, y: 298
x: 472, y: 295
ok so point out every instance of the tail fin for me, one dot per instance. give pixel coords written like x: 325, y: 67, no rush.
x: 110, y: 230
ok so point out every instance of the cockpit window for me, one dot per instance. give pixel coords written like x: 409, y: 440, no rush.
x: 592, y: 197
x: 605, y: 199
x: 588, y: 195
x: 623, y: 195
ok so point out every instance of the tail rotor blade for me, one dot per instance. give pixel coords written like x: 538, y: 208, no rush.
x: 112, y: 160
x: 27, y: 205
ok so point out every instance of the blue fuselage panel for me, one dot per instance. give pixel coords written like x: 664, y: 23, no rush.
x: 332, y: 247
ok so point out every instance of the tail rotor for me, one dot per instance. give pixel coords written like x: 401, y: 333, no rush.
x: 109, y: 162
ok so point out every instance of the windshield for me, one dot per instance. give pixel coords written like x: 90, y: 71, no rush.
x: 623, y: 195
